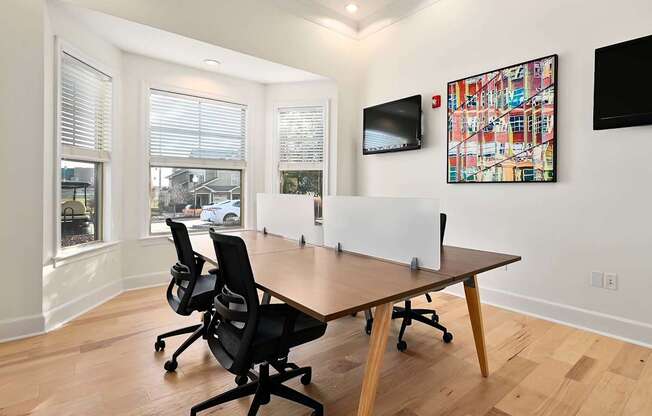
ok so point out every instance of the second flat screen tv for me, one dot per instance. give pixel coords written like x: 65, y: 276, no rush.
x: 393, y: 126
x: 622, y: 85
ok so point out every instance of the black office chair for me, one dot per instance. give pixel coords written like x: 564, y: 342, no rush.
x: 189, y: 291
x: 244, y: 333
x: 408, y: 314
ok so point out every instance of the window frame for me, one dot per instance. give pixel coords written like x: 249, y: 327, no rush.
x: 72, y: 153
x: 275, y: 171
x: 191, y: 163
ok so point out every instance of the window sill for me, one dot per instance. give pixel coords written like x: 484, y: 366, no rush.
x: 75, y: 254
x: 154, y: 240
x: 164, y: 238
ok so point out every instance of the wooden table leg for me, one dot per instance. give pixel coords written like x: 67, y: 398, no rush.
x: 377, y: 347
x: 475, y: 313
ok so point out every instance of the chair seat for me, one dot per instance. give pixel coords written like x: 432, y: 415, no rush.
x: 269, y: 331
x: 202, y: 294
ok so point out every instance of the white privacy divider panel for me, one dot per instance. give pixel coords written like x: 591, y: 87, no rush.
x: 396, y: 229
x: 289, y: 216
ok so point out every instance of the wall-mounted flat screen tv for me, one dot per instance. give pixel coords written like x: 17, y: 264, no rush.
x: 393, y: 126
x: 623, y: 86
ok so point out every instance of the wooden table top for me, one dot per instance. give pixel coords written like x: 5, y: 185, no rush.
x: 328, y: 285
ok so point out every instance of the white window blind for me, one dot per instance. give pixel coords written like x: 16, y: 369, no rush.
x: 85, y: 110
x: 185, y: 126
x: 301, y: 133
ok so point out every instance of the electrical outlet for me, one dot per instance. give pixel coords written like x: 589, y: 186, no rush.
x: 597, y: 279
x: 611, y: 281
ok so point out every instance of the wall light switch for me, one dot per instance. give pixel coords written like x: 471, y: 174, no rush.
x: 611, y: 281
x: 597, y: 279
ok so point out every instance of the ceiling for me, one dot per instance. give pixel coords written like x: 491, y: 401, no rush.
x: 371, y: 16
x: 366, y: 8
x: 159, y: 44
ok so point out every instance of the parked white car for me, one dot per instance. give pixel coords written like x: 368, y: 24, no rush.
x: 222, y: 213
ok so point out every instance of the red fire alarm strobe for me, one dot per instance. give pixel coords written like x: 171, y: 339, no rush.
x: 436, y: 101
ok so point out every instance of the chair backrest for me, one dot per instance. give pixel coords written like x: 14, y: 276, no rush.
x: 236, y: 305
x: 442, y: 227
x: 185, y: 282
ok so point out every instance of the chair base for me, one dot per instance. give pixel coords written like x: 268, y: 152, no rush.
x: 196, y: 331
x: 408, y: 314
x: 263, y: 386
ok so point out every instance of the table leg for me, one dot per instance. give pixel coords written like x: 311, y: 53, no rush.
x: 377, y: 347
x: 475, y: 313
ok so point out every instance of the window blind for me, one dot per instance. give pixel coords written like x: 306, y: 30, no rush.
x: 185, y: 126
x: 301, y: 137
x: 86, y: 101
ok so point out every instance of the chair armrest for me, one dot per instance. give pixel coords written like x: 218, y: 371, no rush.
x: 180, y: 273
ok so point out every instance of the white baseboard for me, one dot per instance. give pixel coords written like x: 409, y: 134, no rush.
x: 635, y: 332
x: 141, y: 281
x: 23, y: 327
x: 68, y: 311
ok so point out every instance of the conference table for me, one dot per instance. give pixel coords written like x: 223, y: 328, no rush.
x: 329, y: 284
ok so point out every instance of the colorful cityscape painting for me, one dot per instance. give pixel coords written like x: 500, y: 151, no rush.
x: 501, y: 125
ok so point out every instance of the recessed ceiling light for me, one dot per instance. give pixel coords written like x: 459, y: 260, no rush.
x: 352, y: 8
x: 212, y: 62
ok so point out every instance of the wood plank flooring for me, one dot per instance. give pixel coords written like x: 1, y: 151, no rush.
x: 104, y: 363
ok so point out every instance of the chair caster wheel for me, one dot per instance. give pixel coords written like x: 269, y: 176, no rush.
x: 401, y: 346
x: 435, y: 318
x: 317, y: 413
x: 170, y: 365
x: 448, y: 337
x: 241, y: 380
x: 159, y: 345
x: 306, y: 379
x: 368, y: 326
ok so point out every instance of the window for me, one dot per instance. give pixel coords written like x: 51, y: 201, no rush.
x: 197, y: 159
x: 516, y: 123
x: 84, y: 126
x: 301, y: 138
x: 452, y: 174
x: 528, y: 175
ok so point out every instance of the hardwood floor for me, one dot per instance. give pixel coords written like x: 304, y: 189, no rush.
x: 104, y: 363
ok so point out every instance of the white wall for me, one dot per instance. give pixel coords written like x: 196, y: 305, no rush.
x: 147, y: 260
x: 22, y: 24
x: 596, y: 218
x: 299, y: 93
